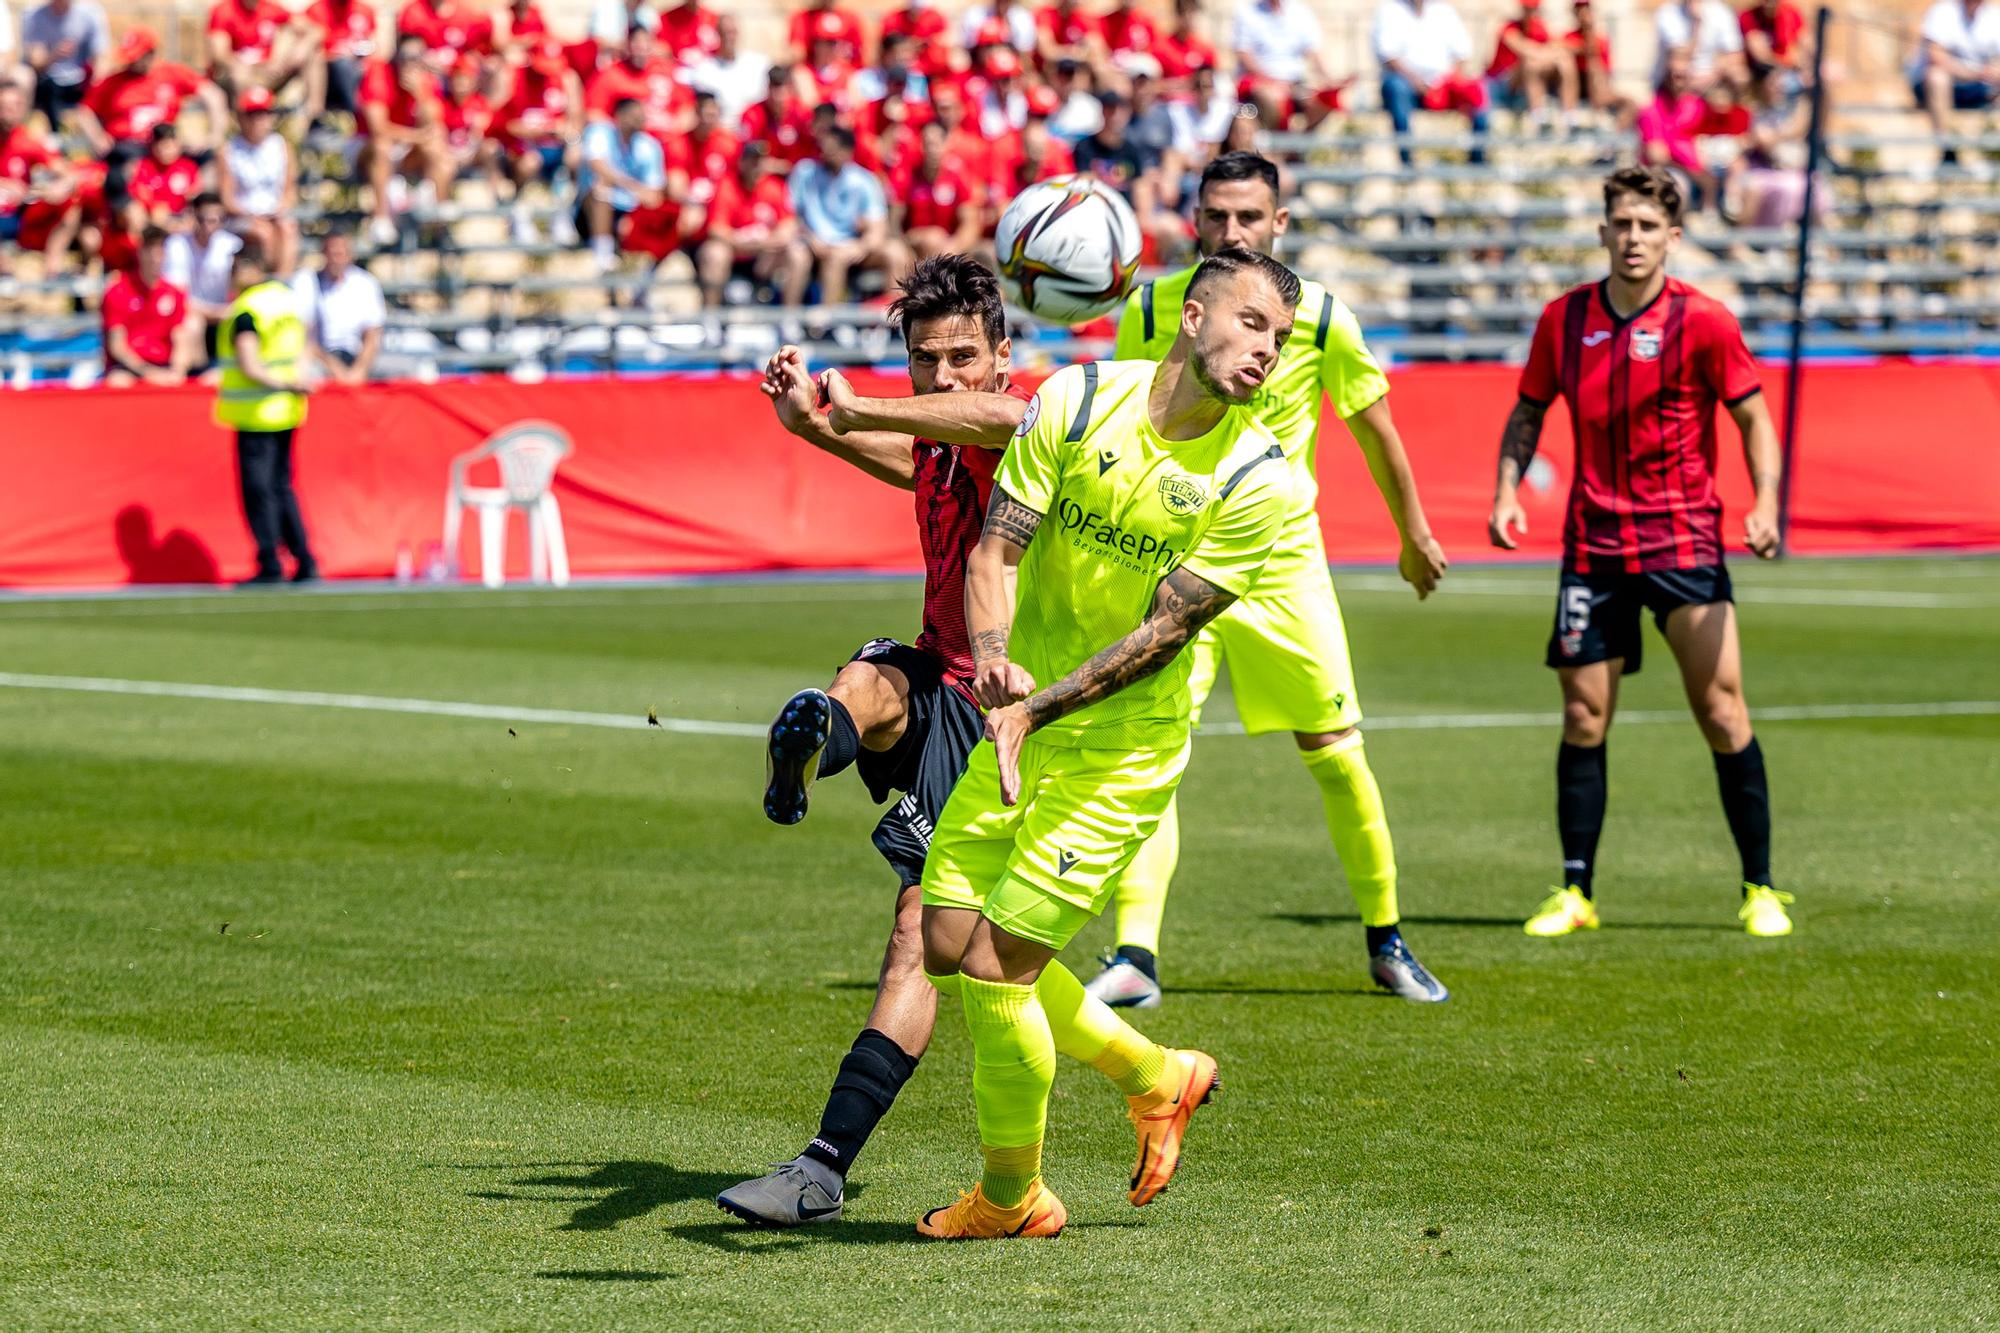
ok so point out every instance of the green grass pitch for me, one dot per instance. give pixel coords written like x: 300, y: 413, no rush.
x: 315, y: 1017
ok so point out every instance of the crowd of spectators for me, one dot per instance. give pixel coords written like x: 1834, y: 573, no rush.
x: 851, y: 151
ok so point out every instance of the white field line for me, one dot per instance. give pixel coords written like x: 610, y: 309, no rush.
x: 695, y: 726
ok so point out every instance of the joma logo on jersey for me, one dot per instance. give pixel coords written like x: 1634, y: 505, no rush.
x: 1138, y: 550
x: 1180, y: 495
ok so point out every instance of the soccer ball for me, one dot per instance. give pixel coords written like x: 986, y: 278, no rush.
x: 1068, y: 249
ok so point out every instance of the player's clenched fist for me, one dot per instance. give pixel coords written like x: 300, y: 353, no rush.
x: 997, y: 682
x: 1760, y: 531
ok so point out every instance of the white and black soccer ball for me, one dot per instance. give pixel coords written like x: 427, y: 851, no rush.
x: 1068, y: 249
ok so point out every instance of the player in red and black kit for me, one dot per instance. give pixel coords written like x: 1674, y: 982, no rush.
x: 902, y: 716
x: 1641, y: 360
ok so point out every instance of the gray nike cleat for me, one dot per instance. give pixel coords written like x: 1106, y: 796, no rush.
x: 791, y: 755
x: 788, y: 1197
x: 1123, y: 986
x: 1397, y: 970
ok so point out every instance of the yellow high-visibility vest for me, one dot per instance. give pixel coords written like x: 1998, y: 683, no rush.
x: 281, y: 344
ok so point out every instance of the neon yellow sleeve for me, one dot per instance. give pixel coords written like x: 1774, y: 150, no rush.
x: 1031, y: 469
x: 1348, y: 371
x: 1131, y: 343
x: 1239, y: 539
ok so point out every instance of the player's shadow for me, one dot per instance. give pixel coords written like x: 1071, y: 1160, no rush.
x: 738, y: 1238
x: 1509, y: 922
x: 609, y: 1192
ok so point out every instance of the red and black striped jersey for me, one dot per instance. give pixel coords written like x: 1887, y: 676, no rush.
x: 953, y: 484
x: 1642, y: 394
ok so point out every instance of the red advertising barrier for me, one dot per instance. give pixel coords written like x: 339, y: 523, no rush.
x: 691, y: 474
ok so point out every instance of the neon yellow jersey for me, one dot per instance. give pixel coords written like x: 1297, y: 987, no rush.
x: 1121, y: 509
x: 1326, y: 356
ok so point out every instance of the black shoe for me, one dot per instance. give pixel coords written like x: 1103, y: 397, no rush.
x: 261, y: 577
x: 306, y: 574
x: 791, y: 757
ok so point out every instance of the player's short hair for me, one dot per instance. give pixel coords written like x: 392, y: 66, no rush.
x: 166, y: 129
x: 1654, y: 183
x: 154, y: 234
x: 203, y: 200
x: 1240, y: 166
x: 839, y: 134
x: 1235, y: 259
x: 947, y: 285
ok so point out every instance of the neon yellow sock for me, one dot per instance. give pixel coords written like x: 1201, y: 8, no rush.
x: 1141, y: 896
x: 1013, y: 1067
x: 1086, y: 1028
x: 1011, y: 1174
x: 945, y: 985
x: 1360, y: 826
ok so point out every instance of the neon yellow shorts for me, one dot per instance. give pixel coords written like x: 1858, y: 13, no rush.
x: 1042, y: 868
x: 1285, y: 645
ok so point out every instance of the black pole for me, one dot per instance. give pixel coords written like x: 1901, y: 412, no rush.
x: 1794, y: 369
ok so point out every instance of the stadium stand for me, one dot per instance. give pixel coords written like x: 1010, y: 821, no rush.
x: 457, y: 140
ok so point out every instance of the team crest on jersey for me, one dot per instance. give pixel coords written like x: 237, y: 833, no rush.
x: 1180, y: 495
x: 1645, y: 344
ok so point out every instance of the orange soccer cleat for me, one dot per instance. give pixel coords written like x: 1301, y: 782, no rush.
x: 1161, y: 1118
x: 973, y: 1218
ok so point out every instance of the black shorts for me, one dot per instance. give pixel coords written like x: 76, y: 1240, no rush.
x: 942, y: 728
x: 1597, y: 615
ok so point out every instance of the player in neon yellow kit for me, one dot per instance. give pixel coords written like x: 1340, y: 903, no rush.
x: 1135, y: 504
x: 1284, y: 643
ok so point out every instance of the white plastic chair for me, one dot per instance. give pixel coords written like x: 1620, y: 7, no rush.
x: 528, y: 453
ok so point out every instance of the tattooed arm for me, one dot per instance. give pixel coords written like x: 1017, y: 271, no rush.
x: 1184, y: 604
x: 988, y: 419
x: 1517, y: 450
x: 989, y: 599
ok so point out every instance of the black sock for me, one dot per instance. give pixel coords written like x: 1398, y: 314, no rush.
x: 872, y: 1072
x: 1142, y: 959
x: 1746, y: 800
x: 843, y: 742
x: 1580, y: 792
x: 1380, y: 936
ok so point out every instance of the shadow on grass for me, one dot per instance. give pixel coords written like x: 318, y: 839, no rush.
x: 1361, y: 992
x: 605, y: 1275
x: 741, y: 1238
x: 610, y: 1192
x: 1506, y: 922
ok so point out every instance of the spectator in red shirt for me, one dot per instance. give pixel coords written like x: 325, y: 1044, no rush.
x: 467, y: 118
x: 258, y: 44
x: 938, y: 208
x: 346, y: 32
x: 163, y: 181
x: 1529, y: 65
x: 828, y: 77
x: 927, y: 30
x: 39, y: 204
x: 689, y: 32
x: 403, y: 119
x: 780, y: 122
x: 962, y: 139
x: 1040, y: 155
x: 1182, y: 50
x: 526, y: 26
x: 825, y: 18
x: 1678, y: 117
x: 1774, y: 36
x: 752, y: 234
x: 140, y: 91
x: 540, y: 133
x: 1590, y: 48
x: 896, y: 75
x: 1065, y: 32
x: 146, y: 328
x: 646, y: 78
x: 449, y: 31
x: 1129, y: 34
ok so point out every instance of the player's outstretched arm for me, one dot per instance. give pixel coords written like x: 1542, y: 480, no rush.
x: 967, y: 417
x: 1184, y: 603
x: 1422, y: 561
x: 795, y: 397
x: 1767, y: 470
x: 989, y: 600
x: 1509, y: 522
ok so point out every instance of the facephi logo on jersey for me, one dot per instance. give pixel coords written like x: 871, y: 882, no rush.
x: 1592, y: 339
x: 1029, y: 417
x: 1140, y: 551
x: 1181, y: 496
x: 1645, y: 344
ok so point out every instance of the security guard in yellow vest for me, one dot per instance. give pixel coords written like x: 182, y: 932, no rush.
x: 263, y: 399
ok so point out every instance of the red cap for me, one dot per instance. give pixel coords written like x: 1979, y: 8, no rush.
x: 1531, y: 4
x: 139, y: 42
x: 547, y: 57
x: 254, y: 99
x: 1042, y: 100
x: 993, y: 32
x: 468, y: 65
x: 828, y: 26
x: 1001, y: 62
